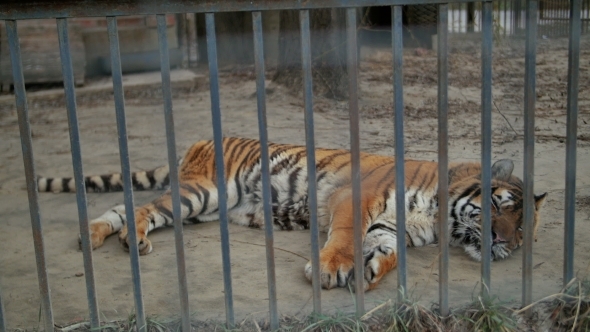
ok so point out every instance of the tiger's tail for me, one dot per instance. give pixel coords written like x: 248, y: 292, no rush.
x: 155, y: 179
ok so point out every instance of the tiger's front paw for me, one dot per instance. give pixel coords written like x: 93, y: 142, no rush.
x: 143, y: 244
x: 334, y: 269
x: 378, y: 262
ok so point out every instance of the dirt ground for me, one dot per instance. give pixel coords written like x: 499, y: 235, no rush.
x: 18, y: 278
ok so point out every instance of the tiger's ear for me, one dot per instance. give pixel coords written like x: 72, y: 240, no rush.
x: 502, y: 169
x: 540, y: 200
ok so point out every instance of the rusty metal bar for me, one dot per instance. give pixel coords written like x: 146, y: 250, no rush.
x: 126, y: 170
x: 486, y: 146
x: 34, y: 9
x: 443, y: 159
x: 265, y: 169
x: 173, y: 173
x: 219, y: 166
x: 311, y: 161
x: 570, y: 141
x: 529, y: 150
x: 398, y: 124
x: 68, y: 74
x: 32, y: 190
x: 355, y: 155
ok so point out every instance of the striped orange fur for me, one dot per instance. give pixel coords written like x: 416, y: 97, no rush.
x: 288, y: 168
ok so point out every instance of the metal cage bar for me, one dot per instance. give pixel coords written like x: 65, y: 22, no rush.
x: 486, y: 145
x: 398, y: 124
x: 443, y: 159
x: 29, y: 163
x: 173, y: 171
x: 2, y: 315
x: 265, y: 169
x: 126, y: 170
x: 219, y: 165
x: 355, y: 159
x: 311, y: 161
x: 529, y: 151
x: 68, y: 74
x: 572, y: 130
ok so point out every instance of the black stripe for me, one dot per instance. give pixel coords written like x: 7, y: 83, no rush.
x: 136, y: 184
x: 65, y: 186
x: 164, y: 210
x: 106, y: 180
x: 380, y: 226
x: 120, y: 216
x: 188, y: 203
x: 293, y: 181
x: 151, y: 178
x: 49, y: 181
x: 205, y: 200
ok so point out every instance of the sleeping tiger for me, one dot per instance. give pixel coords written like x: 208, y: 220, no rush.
x: 199, y: 203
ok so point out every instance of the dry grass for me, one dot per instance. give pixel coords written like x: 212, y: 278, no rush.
x: 568, y: 310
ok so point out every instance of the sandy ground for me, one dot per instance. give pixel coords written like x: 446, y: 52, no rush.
x: 18, y: 278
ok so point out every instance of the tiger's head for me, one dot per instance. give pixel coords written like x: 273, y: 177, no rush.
x: 506, y: 208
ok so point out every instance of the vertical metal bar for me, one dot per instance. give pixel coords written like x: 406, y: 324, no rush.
x: 219, y: 165
x: 126, y: 170
x: 486, y: 144
x: 529, y: 150
x: 443, y: 160
x: 311, y: 161
x: 173, y: 173
x: 32, y: 190
x: 570, y: 141
x: 68, y: 74
x: 2, y: 315
x: 355, y: 155
x: 265, y: 165
x: 398, y: 119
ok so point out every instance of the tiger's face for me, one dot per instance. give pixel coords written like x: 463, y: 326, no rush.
x: 506, y: 212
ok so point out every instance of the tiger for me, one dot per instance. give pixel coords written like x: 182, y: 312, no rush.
x: 290, y: 203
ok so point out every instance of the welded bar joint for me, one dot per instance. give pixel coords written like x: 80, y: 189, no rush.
x: 265, y: 169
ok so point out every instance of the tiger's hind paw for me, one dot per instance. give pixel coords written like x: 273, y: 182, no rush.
x: 99, y: 231
x: 143, y: 244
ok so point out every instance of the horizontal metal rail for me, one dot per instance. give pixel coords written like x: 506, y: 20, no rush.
x: 33, y: 9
